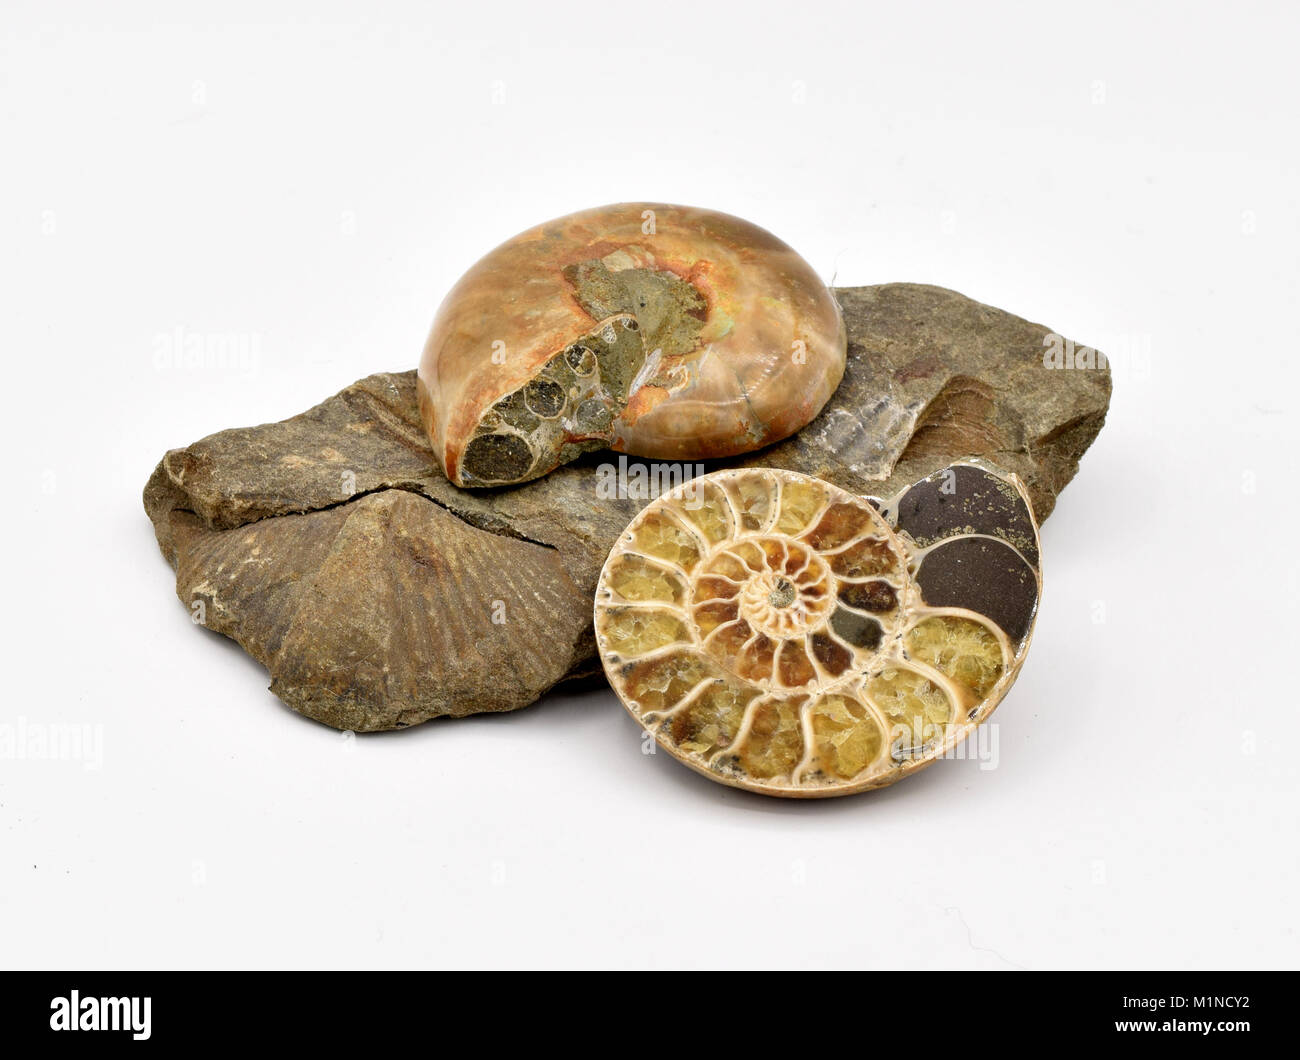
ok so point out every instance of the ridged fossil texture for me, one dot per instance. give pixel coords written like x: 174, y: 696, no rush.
x: 655, y: 330
x: 779, y: 634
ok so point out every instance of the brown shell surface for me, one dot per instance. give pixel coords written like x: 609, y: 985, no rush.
x: 779, y: 634
x: 656, y: 330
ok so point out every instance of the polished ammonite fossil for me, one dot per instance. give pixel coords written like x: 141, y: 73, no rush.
x: 782, y: 635
x: 655, y: 330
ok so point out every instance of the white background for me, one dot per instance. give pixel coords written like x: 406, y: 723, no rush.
x: 314, y: 182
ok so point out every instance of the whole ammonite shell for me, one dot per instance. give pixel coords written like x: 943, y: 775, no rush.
x: 779, y: 634
x: 661, y: 331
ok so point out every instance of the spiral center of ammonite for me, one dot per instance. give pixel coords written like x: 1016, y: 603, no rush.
x: 783, y: 595
x: 789, y: 595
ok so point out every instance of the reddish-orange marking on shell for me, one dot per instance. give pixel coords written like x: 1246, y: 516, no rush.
x: 643, y: 401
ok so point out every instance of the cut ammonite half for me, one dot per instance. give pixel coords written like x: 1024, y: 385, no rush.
x: 661, y: 331
x: 779, y: 634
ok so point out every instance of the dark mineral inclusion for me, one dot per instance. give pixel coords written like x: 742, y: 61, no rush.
x: 379, y: 596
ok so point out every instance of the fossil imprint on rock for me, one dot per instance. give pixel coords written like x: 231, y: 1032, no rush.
x: 660, y: 331
x: 782, y: 635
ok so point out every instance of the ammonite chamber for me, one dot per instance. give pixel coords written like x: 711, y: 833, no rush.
x: 779, y: 634
x: 660, y: 331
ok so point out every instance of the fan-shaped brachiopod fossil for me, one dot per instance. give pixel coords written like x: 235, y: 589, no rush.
x: 779, y: 634
x: 660, y: 331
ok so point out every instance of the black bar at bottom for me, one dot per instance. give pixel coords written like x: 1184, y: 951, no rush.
x: 335, y: 1009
